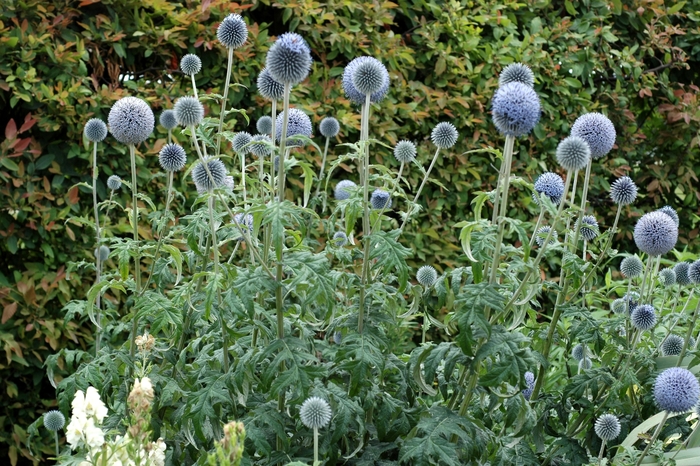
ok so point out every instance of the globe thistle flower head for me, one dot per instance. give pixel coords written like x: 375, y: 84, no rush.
x: 240, y: 141
x: 338, y: 337
x: 369, y: 76
x: 268, y: 88
x: 188, y: 111
x: 229, y: 183
x: 104, y: 253
x: 232, y: 32
x: 352, y: 93
x: 380, y: 199
x: 168, y: 120
x: 573, y: 153
x: 681, y: 270
x: 671, y: 212
x: 54, y: 420
x: 343, y: 189
x: 579, y: 352
x: 243, y: 221
x: 261, y: 145
x: 264, y: 125
x: 607, y: 427
x: 550, y: 184
x: 527, y: 392
x: 444, y: 135
x: 114, y: 182
x: 588, y: 228
x: 190, y: 64
x: 515, y: 109
x: 427, y: 276
x: 201, y: 178
x: 542, y: 233
x: 315, y: 413
x: 172, y: 157
x: 676, y: 390
x: 277, y: 162
x: 95, y: 130
x: 623, y: 191
x: 644, y: 317
x: 131, y: 120
x: 597, y: 130
x: 340, y: 238
x: 667, y: 277
x: 516, y: 73
x: 329, y: 127
x: 655, y: 233
x: 585, y: 364
x: 530, y: 384
x: 631, y: 301
x: 405, y: 151
x: 299, y: 125
x: 672, y: 345
x: 631, y: 266
x: 619, y: 306
x: 289, y: 59
x: 694, y: 272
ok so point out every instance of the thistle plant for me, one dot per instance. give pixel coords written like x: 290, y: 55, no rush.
x: 232, y: 34
x: 190, y: 65
x: 607, y: 428
x: 315, y: 413
x: 54, y: 421
x: 241, y: 146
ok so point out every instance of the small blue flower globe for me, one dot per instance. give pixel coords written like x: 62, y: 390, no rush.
x: 190, y: 64
x: 329, y: 127
x: 632, y: 301
x: 573, y: 153
x: 607, y: 427
x: 188, y: 111
x: 114, y: 182
x: 201, y: 178
x: 269, y: 88
x: 172, y: 157
x: 579, y: 352
x: 589, y: 229
x: 369, y: 76
x: 551, y: 185
x: 667, y: 277
x: 676, y: 390
x: 54, y: 420
x: 232, y: 32
x: 261, y: 145
x: 95, y: 130
x: 289, y: 59
x: 315, y: 413
x: 299, y: 125
x: 681, y: 270
x: 427, y: 275
x: 264, y: 125
x: 516, y: 109
x: 631, y: 267
x: 131, y: 120
x: 516, y: 73
x: 619, y: 306
x: 529, y: 383
x: 354, y: 95
x: 671, y: 212
x: 340, y: 238
x: 694, y: 272
x: 104, y: 253
x: 444, y: 135
x: 597, y: 130
x: 243, y: 222
x: 240, y: 142
x: 644, y: 317
x: 380, y: 199
x: 585, y: 364
x: 542, y: 233
x: 655, y: 233
x: 167, y: 119
x: 343, y: 189
x: 405, y: 151
x: 672, y: 346
x: 623, y: 191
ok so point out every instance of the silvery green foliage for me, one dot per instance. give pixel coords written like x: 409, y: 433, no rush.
x: 104, y: 253
x: 672, y: 346
x: 380, y: 199
x: 264, y: 125
x: 405, y: 151
x: 172, y: 157
x: 240, y: 141
x: 551, y: 185
x: 427, y: 275
x: 516, y: 109
x: 167, y: 119
x: 589, y: 228
x: 352, y: 93
x: 529, y: 384
x: 619, y: 306
x: 201, y: 178
x: 644, y: 317
x: 114, y: 182
x: 131, y: 120
x: 667, y: 277
x: 340, y: 238
x: 188, y: 111
x: 623, y: 191
x: 261, y: 145
x: 289, y: 59
x: 54, y: 420
x: 190, y: 64
x: 573, y: 153
x: 694, y: 272
x: 315, y: 413
x: 329, y: 127
x: 269, y: 88
x: 585, y: 364
x: 676, y: 390
x: 343, y: 189
x: 681, y: 270
x: 369, y: 76
x: 516, y: 73
x: 232, y: 32
x: 631, y: 267
x: 655, y: 233
x: 299, y: 125
x: 95, y: 130
x: 607, y: 427
x: 579, y: 352
x: 597, y: 130
x: 444, y: 135
x: 542, y: 233
x: 671, y: 212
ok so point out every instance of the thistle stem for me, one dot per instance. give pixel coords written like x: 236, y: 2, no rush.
x: 137, y: 255
x: 420, y: 188
x: 224, y: 98
x: 689, y: 334
x: 647, y: 270
x: 537, y: 226
x: 584, y: 195
x: 215, y: 247
x: 653, y: 438
x: 243, y: 168
x: 315, y: 446
x: 194, y: 89
x: 507, y: 161
x: 323, y: 164
x: 161, y: 230
x: 55, y: 436
x: 600, y: 455
x: 98, y: 242
x: 366, y: 227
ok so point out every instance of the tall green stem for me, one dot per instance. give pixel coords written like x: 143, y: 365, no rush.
x: 224, y: 98
x: 420, y: 188
x: 137, y: 254
x: 537, y: 226
x: 653, y: 438
x: 582, y: 212
x: 315, y: 446
x: 243, y: 167
x: 366, y: 227
x: 323, y: 164
x: 507, y: 160
x: 600, y: 455
x: 98, y: 243
x: 689, y: 334
x: 215, y: 247
x: 194, y: 89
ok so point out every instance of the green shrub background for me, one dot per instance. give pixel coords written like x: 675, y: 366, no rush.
x: 63, y: 62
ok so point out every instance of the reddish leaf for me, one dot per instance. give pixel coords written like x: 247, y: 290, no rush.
x: 11, y: 129
x: 8, y: 312
x: 28, y: 123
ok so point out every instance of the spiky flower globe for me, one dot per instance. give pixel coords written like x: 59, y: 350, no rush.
x: 190, y: 64
x: 632, y: 301
x: 172, y: 157
x: 694, y: 272
x: 380, y: 199
x: 551, y: 185
x: 114, y: 182
x: 579, y: 352
x: 264, y: 125
x: 516, y: 73
x: 607, y: 427
x: 405, y: 151
x: 644, y: 317
x: 268, y: 88
x: 340, y: 238
x: 671, y: 212
x: 672, y: 346
x: 631, y: 267
x: 243, y: 221
x: 529, y: 383
x: 427, y: 275
x: 676, y: 390
x: 342, y: 189
x: 352, y: 93
x: 54, y: 420
x: 289, y: 59
x: 619, y: 306
x: 315, y: 413
x: 542, y: 233
x: 240, y: 141
x: 444, y: 135
x: 623, y: 191
x: 188, y: 111
x: 597, y: 130
x: 573, y: 153
x: 229, y: 183
x: 516, y: 109
x: 589, y: 228
x: 104, y: 253
x: 369, y: 76
x: 655, y: 233
x: 329, y: 127
x: 201, y: 178
x: 681, y: 270
x: 168, y: 120
x: 131, y: 120
x: 584, y: 364
x: 95, y: 130
x: 232, y: 32
x: 299, y: 125
x: 261, y: 145
x: 667, y: 277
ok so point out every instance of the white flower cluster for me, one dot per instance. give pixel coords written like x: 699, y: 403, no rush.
x: 121, y: 453
x: 88, y: 413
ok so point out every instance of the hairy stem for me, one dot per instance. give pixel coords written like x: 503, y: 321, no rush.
x: 366, y: 227
x: 215, y: 247
x: 537, y: 226
x: 323, y: 164
x: 420, y: 188
x: 507, y: 161
x: 224, y: 98
x: 98, y: 243
x: 137, y: 255
x: 653, y: 438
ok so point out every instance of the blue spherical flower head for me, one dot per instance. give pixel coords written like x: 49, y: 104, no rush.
x: 264, y: 125
x: 542, y: 233
x: 529, y: 383
x: 103, y: 252
x: 188, y: 111
x: 269, y: 88
x: 631, y: 267
x: 579, y: 352
x: 516, y: 73
x: 551, y: 185
x: 131, y: 120
x: 516, y: 109
x: 573, y: 153
x: 261, y: 145
x: 597, y: 130
x: 329, y: 127
x: 694, y: 272
x: 352, y: 93
x: 340, y: 238
x: 667, y: 277
x: 191, y: 64
x: 619, y: 306
x: 232, y: 32
x: 201, y: 178
x: 299, y: 125
x: 369, y: 76
x: 672, y: 345
x: 315, y: 413
x: 54, y: 420
x: 585, y: 364
x: 623, y: 191
x: 671, y: 212
x: 676, y: 390
x: 289, y: 59
x: 114, y: 182
x: 589, y: 228
x: 380, y: 199
x: 240, y: 141
x: 444, y: 135
x: 242, y: 223
x: 343, y: 189
x: 644, y: 317
x: 681, y: 270
x: 405, y: 151
x: 607, y: 427
x: 172, y: 157
x: 427, y: 275
x: 632, y: 301
x: 168, y: 120
x: 229, y: 183
x: 95, y: 130
x: 655, y: 233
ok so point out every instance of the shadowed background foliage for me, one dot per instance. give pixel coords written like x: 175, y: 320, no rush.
x: 63, y: 62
